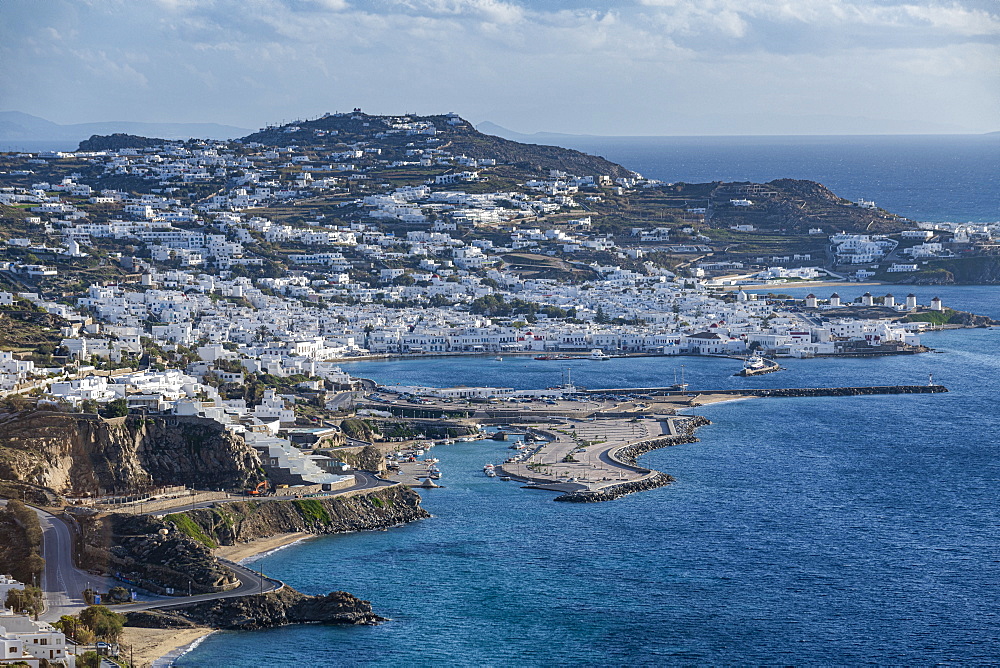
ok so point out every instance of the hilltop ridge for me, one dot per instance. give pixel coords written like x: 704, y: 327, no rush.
x: 397, y: 133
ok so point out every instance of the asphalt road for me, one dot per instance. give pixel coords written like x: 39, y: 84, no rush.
x: 364, y: 480
x: 62, y: 582
x: 251, y: 582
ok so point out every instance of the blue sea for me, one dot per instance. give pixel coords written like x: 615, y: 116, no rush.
x: 807, y: 531
x: 934, y: 178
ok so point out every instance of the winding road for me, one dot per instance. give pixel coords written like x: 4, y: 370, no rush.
x: 63, y: 583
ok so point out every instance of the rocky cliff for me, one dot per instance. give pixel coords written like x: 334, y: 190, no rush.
x: 77, y: 454
x: 975, y: 270
x: 244, y: 521
x: 151, y: 553
x: 176, y: 550
x: 260, y: 611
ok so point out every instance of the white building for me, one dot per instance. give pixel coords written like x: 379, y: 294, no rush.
x: 27, y: 642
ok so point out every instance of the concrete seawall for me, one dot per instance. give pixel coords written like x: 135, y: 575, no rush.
x: 785, y: 391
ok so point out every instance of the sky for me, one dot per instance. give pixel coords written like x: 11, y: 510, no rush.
x: 632, y: 67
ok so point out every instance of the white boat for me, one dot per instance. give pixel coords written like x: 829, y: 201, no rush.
x: 754, y: 362
x: 491, y: 474
x: 499, y: 359
x: 598, y: 354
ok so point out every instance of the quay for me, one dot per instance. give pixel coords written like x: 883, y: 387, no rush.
x: 779, y: 392
x: 593, y: 458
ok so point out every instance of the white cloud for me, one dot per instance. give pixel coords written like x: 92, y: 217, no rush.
x: 595, y: 67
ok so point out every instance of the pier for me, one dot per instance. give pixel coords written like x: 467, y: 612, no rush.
x: 671, y: 391
x: 593, y: 458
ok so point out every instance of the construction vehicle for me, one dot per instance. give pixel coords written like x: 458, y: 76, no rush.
x: 262, y: 489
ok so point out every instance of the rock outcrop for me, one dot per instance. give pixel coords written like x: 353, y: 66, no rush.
x: 176, y: 551
x: 285, y: 606
x: 151, y: 553
x: 244, y: 521
x: 78, y: 454
x: 262, y: 611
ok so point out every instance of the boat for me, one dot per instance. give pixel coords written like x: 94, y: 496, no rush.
x: 555, y: 357
x: 598, y: 355
x: 499, y: 359
x: 505, y: 478
x: 756, y: 365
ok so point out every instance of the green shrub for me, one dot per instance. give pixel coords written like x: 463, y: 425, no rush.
x: 312, y: 510
x: 190, y: 528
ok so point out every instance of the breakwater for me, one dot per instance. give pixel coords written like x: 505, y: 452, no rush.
x: 626, y: 457
x: 784, y: 391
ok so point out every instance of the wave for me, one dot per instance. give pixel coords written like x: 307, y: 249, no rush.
x: 268, y: 553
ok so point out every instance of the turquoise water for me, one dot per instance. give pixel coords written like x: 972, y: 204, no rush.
x: 799, y: 531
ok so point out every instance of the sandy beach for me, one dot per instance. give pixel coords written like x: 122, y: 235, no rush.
x: 259, y: 546
x: 148, y: 645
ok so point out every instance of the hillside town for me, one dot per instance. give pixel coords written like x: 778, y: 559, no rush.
x: 183, y: 317
x: 232, y: 261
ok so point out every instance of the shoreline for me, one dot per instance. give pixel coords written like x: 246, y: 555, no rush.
x: 800, y: 284
x: 160, y: 647
x: 260, y: 547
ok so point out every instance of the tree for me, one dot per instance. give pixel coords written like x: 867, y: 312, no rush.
x: 119, y: 595
x: 600, y: 317
x: 404, y: 280
x: 88, y: 660
x: 28, y: 599
x: 102, y: 621
x: 116, y: 408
